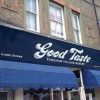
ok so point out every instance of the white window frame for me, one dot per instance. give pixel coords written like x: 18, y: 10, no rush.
x: 79, y: 32
x: 9, y: 93
x: 5, y: 91
x: 37, y: 17
x: 63, y: 24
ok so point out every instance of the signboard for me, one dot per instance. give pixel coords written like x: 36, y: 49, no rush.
x: 21, y: 46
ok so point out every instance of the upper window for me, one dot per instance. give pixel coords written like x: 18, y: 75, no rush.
x: 32, y: 15
x: 56, y: 20
x: 76, y: 27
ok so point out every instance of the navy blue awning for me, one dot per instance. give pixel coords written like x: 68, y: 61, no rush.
x: 15, y: 75
x: 91, y: 78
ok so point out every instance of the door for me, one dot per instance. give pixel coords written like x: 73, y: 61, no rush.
x: 89, y: 96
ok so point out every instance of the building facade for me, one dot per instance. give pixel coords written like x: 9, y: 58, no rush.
x: 73, y: 21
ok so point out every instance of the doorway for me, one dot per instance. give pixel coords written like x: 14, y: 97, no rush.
x: 74, y: 95
x: 89, y: 96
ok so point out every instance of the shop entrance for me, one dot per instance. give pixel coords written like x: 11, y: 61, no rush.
x: 54, y: 95
x: 89, y: 96
x: 40, y: 94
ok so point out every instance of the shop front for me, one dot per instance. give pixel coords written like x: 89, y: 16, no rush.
x: 35, y: 67
x: 42, y: 78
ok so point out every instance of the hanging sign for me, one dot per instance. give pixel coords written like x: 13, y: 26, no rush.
x: 21, y: 46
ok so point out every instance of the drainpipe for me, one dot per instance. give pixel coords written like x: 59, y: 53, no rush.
x: 96, y: 16
x: 83, y: 95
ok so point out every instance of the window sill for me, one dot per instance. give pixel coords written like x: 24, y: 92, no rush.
x: 58, y: 37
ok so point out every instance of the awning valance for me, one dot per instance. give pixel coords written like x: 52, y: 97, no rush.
x: 91, y: 78
x: 15, y: 75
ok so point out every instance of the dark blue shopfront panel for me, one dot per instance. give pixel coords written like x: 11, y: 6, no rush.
x: 91, y: 78
x: 21, y: 46
x: 12, y: 75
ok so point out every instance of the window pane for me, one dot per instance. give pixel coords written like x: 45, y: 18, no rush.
x: 58, y: 14
x: 31, y: 5
x: 3, y: 95
x: 31, y: 15
x: 75, y: 21
x: 52, y: 12
x: 34, y: 6
x: 76, y: 28
x: 28, y: 5
x: 59, y: 29
x: 56, y: 28
x: 76, y: 34
x: 56, y: 20
x: 53, y: 27
x: 28, y: 25
x: 33, y: 22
